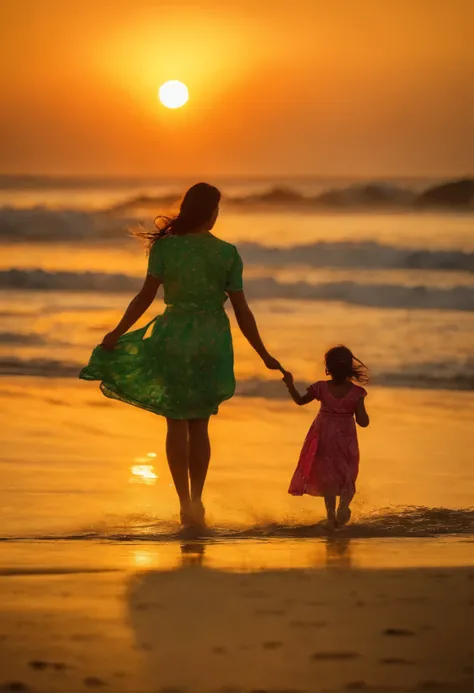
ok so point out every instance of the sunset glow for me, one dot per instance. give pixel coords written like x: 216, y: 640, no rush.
x: 376, y: 89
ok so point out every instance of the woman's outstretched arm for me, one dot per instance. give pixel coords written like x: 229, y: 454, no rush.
x: 248, y: 326
x: 134, y: 312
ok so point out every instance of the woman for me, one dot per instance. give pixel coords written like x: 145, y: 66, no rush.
x: 184, y: 369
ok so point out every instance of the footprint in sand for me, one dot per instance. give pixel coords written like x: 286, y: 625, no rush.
x: 60, y: 666
x: 356, y: 686
x: 38, y: 665
x: 272, y: 645
x: 333, y: 656
x: 307, y: 624
x: 93, y: 682
x: 15, y: 687
x: 147, y: 606
x: 398, y: 632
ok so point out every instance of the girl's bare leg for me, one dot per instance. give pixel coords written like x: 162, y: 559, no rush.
x: 199, y: 456
x: 344, y: 510
x: 330, y: 502
x: 177, y: 452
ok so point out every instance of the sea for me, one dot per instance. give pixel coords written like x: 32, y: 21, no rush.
x: 370, y: 270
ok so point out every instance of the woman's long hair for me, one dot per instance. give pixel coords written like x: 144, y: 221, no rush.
x: 198, y: 206
x: 342, y: 365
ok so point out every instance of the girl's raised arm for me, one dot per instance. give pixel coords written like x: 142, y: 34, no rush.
x: 294, y: 394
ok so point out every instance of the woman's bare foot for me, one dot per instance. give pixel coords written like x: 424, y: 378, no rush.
x: 186, y: 514
x: 193, y: 515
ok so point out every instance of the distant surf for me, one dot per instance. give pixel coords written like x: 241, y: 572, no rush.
x: 380, y: 295
x: 457, y: 194
x: 44, y: 223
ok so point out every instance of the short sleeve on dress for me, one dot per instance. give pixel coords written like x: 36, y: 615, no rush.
x: 361, y: 392
x: 315, y: 390
x: 234, y: 277
x: 155, y: 261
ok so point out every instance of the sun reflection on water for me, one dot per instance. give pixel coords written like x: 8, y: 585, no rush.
x: 144, y: 559
x: 142, y: 471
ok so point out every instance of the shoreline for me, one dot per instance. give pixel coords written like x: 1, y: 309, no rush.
x: 134, y: 554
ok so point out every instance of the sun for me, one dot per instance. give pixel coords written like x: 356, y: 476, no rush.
x: 173, y: 94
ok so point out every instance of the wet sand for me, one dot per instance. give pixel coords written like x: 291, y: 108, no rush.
x: 100, y: 625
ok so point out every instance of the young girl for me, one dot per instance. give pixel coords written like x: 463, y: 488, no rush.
x: 329, y: 460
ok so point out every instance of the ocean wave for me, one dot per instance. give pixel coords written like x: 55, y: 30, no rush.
x: 362, y: 255
x: 393, y: 522
x: 41, y: 225
x: 44, y: 225
x: 457, y: 194
x: 43, y: 280
x: 39, y: 367
x: 429, y: 375
x: 21, y: 338
x: 370, y: 295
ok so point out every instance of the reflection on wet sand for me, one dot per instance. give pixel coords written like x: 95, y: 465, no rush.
x: 337, y: 554
x: 192, y: 554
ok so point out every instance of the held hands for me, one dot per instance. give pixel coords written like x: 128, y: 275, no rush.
x: 110, y: 340
x: 288, y: 378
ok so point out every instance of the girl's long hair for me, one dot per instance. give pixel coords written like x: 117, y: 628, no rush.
x: 342, y: 365
x: 198, y: 206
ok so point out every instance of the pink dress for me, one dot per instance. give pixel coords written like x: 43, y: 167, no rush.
x: 329, y: 459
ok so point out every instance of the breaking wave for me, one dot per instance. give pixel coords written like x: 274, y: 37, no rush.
x: 41, y: 225
x: 44, y: 225
x: 362, y: 255
x: 371, y: 295
x: 458, y: 194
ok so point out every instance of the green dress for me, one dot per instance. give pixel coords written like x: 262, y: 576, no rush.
x: 183, y: 367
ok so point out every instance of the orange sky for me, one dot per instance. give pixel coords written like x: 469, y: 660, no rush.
x: 331, y: 87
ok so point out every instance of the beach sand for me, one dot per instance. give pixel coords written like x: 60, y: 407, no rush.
x: 91, y: 621
x: 99, y: 592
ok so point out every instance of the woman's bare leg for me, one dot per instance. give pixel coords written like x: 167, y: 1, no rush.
x: 199, y: 455
x: 177, y: 452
